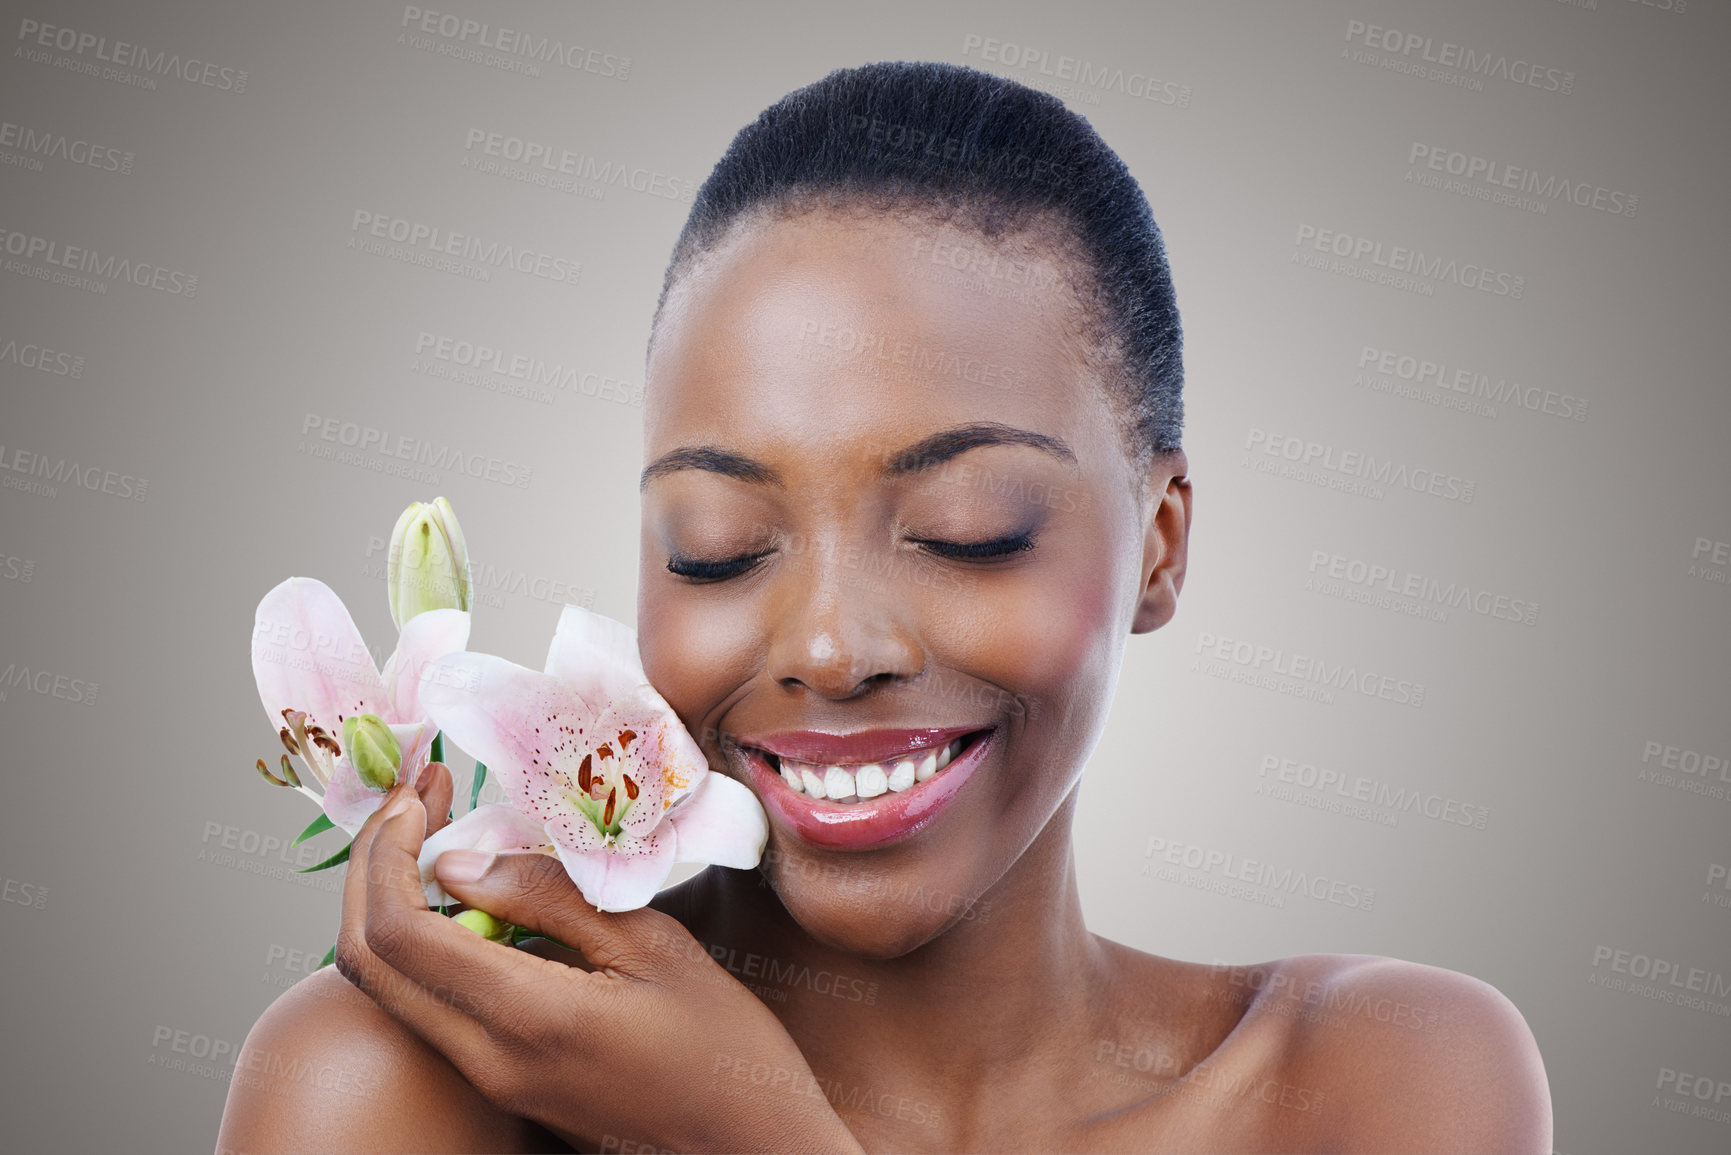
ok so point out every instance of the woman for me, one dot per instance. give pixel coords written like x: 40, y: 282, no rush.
x: 914, y: 475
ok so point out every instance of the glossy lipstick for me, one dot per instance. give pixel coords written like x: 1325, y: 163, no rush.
x: 871, y: 822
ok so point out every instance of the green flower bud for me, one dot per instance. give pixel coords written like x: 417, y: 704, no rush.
x: 484, y: 925
x: 429, y: 562
x: 373, y: 750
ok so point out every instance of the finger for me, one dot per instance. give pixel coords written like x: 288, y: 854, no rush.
x: 493, y: 986
x: 434, y: 787
x: 532, y: 890
x: 395, y: 993
x: 353, y: 959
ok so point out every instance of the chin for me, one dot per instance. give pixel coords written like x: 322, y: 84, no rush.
x: 864, y: 911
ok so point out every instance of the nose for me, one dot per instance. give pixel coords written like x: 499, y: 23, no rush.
x: 838, y: 632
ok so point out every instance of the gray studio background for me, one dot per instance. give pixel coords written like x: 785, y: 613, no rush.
x: 163, y: 464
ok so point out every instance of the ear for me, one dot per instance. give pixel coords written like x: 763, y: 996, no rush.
x: 1165, y: 543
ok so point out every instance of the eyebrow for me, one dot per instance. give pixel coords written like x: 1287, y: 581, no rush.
x: 925, y: 453
x: 945, y: 444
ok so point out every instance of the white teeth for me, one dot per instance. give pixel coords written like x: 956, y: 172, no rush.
x: 871, y: 780
x: 838, y: 783
x: 902, y: 776
x: 856, y: 783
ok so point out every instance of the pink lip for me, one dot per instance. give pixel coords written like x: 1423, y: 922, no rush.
x: 858, y: 825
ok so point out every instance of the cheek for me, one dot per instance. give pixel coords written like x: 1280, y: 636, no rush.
x: 695, y: 651
x: 1053, y: 640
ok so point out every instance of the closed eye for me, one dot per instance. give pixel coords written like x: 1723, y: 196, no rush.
x: 996, y: 547
x: 703, y: 570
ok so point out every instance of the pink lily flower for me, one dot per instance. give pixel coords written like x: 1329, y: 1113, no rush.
x: 313, y: 670
x: 596, y: 765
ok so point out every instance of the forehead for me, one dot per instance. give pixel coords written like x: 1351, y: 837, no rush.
x: 824, y: 326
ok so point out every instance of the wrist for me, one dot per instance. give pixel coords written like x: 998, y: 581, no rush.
x: 773, y: 1109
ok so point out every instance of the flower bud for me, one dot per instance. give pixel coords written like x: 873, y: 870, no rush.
x: 373, y: 750
x: 484, y: 925
x: 429, y: 562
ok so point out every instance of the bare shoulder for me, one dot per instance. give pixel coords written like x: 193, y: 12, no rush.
x: 1411, y: 1057
x: 324, y: 1069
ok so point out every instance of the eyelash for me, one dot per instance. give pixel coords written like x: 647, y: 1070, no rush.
x: 978, y: 550
x: 703, y: 572
x: 699, y: 571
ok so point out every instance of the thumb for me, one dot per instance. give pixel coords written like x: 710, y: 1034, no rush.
x: 531, y: 889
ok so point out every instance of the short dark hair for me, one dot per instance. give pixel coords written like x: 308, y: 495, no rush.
x: 955, y: 143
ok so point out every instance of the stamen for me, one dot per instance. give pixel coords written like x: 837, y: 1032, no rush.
x: 289, y: 773
x: 630, y: 787
x: 604, y: 751
x: 264, y: 771
x: 625, y: 737
x: 607, y: 815
x: 288, y: 741
x: 584, y: 776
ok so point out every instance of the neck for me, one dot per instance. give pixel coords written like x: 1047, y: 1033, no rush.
x: 966, y: 1016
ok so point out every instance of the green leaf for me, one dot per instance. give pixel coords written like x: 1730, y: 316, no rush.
x: 330, y: 956
x: 475, y: 786
x: 336, y: 859
x: 439, y: 747
x: 317, y: 826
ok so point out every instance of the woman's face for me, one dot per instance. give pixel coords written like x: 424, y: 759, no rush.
x: 905, y: 528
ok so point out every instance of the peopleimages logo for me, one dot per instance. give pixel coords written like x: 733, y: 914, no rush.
x: 1277, y: 668
x: 1411, y: 263
x: 1351, y: 465
x: 1334, y: 789
x: 1500, y: 175
x: 525, y: 46
x: 28, y: 355
x: 88, y: 45
x: 39, y: 473
x: 1473, y: 385
x: 1257, y: 873
x: 1099, y: 77
x: 1328, y: 569
x: 1453, y: 62
x: 35, y: 144
x: 439, y: 242
x: 109, y: 267
x: 542, y: 161
x: 384, y: 447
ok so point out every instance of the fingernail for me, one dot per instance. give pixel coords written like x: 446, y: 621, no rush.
x: 424, y: 776
x: 462, y: 865
x: 398, y: 802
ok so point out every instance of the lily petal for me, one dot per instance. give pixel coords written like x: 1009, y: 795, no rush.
x: 347, y: 801
x: 624, y: 876
x: 723, y: 823
x: 526, y: 726
x: 596, y: 655
x: 495, y: 826
x: 415, y: 740
x: 308, y: 655
x: 662, y: 758
x: 429, y: 635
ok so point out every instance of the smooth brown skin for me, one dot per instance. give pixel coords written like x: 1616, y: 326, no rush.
x: 995, y: 1020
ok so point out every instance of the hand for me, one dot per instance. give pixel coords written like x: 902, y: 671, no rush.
x: 644, y: 1048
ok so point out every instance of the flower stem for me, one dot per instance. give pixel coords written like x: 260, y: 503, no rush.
x: 475, y: 786
x: 439, y: 746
